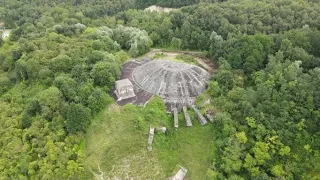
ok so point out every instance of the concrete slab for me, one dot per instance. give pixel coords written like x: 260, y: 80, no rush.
x: 186, y: 116
x: 175, y: 117
x: 201, y: 119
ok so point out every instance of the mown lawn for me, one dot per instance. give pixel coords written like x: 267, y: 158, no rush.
x: 117, y: 140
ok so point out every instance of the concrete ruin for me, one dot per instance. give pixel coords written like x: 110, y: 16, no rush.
x: 162, y: 130
x: 175, y: 117
x: 180, y: 174
x: 178, y: 84
x: 124, y: 89
x: 186, y: 116
x: 201, y: 119
x: 209, y: 116
x: 150, y: 139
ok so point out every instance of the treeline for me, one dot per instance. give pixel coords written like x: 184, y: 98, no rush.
x: 190, y: 26
x: 16, y: 13
x: 193, y: 25
x: 172, y: 3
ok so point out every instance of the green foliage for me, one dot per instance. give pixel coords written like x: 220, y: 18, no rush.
x: 262, y: 124
x: 241, y: 137
x: 266, y: 93
x: 133, y: 39
x: 186, y: 58
x: 50, y: 102
x: 119, y: 135
x: 277, y: 170
x: 105, y: 73
x: 285, y: 151
x: 159, y: 55
x: 166, y: 3
x: 98, y: 100
x: 176, y: 43
x: 134, y: 51
x: 5, y: 84
x: 155, y: 111
x: 251, y: 122
x: 231, y: 161
x: 25, y: 121
x: 61, y: 63
x: 46, y: 76
x: 225, y: 79
x: 78, y: 118
x: 214, y: 88
x: 67, y: 86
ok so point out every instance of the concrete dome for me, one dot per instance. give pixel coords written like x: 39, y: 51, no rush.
x: 177, y: 83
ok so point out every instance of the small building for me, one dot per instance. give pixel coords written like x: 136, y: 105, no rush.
x: 124, y: 89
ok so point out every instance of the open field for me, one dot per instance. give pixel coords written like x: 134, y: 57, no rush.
x: 117, y: 139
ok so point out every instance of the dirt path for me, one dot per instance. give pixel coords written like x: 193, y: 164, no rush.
x: 205, y: 63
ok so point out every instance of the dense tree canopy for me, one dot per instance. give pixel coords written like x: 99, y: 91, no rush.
x: 63, y: 57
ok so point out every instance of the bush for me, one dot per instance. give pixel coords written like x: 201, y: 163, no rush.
x: 78, y: 118
x: 46, y: 76
x: 105, y: 73
x: 62, y: 63
x: 25, y: 121
x: 50, y: 101
x: 98, y: 100
x: 5, y: 84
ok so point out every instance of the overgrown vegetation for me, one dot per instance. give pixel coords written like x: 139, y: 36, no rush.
x: 186, y: 58
x: 126, y: 129
x: 159, y: 55
x: 56, y: 83
x: 63, y: 57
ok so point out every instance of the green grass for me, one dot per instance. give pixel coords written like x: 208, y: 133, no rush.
x: 159, y: 55
x: 117, y: 141
x: 187, y: 59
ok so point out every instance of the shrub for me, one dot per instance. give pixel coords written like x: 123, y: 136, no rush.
x: 98, y: 100
x: 78, y: 118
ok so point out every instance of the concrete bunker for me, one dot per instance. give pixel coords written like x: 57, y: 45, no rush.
x: 177, y: 83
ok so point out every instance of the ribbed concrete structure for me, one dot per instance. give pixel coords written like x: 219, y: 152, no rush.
x: 178, y: 84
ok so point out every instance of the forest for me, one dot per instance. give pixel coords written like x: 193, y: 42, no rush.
x: 62, y: 59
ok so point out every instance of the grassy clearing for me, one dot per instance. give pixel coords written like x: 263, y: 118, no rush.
x: 159, y: 55
x: 190, y: 147
x: 117, y: 140
x: 187, y: 59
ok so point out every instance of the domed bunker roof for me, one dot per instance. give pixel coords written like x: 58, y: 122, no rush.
x: 177, y: 83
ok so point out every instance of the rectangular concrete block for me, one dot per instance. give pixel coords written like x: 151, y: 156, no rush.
x: 150, y: 139
x: 180, y: 174
x: 186, y: 116
x: 175, y: 116
x: 201, y: 118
